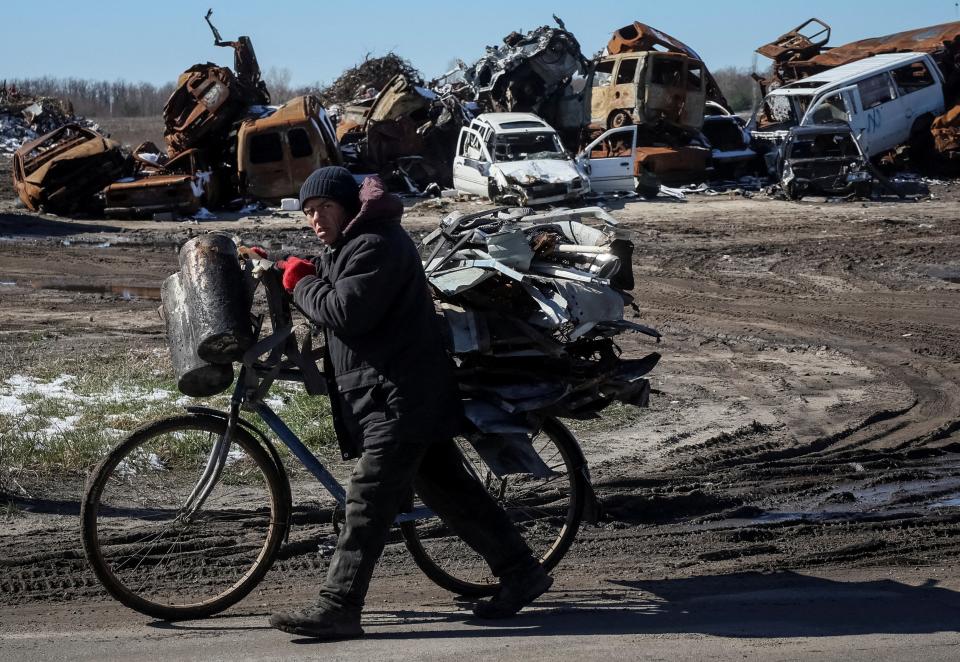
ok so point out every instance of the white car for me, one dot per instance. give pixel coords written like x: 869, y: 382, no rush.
x: 885, y: 99
x: 516, y: 158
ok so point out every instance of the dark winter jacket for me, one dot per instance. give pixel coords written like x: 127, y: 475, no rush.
x: 389, y: 377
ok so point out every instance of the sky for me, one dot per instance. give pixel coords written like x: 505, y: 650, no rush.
x: 315, y: 41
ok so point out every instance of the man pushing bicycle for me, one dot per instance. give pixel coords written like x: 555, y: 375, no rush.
x: 394, y: 402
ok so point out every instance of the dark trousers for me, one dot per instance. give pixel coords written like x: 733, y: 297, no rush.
x: 378, y: 488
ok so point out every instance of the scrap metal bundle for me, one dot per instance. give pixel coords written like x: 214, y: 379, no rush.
x: 533, y: 303
x: 529, y: 73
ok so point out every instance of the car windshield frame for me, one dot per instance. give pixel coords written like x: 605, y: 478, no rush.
x: 503, y: 147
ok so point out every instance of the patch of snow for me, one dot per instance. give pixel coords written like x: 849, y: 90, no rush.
x: 204, y: 214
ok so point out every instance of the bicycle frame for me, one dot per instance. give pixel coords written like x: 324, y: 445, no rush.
x: 287, y: 362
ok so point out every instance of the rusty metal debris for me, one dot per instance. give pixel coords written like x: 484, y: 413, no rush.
x: 407, y: 134
x: 638, y: 37
x: 63, y: 170
x: 533, y: 303
x: 160, y: 184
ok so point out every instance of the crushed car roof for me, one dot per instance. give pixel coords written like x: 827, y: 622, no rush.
x: 502, y: 121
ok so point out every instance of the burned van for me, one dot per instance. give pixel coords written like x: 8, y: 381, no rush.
x: 276, y: 153
x: 649, y: 88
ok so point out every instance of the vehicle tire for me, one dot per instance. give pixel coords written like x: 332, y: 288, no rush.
x: 547, y: 511
x: 170, y: 568
x: 618, y: 119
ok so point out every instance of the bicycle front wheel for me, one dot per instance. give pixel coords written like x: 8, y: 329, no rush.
x: 547, y: 512
x: 153, y: 555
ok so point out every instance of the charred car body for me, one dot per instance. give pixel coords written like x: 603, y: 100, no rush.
x: 518, y: 158
x: 823, y: 160
x: 64, y: 170
x: 276, y: 153
x: 532, y: 73
x: 181, y: 184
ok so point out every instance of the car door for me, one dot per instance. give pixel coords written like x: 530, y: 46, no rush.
x: 880, y: 119
x: 601, y: 95
x: 471, y: 164
x: 919, y: 90
x: 609, y: 160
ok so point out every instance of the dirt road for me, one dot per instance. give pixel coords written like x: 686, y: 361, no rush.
x: 792, y: 488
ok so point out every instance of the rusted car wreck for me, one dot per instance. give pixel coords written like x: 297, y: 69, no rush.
x: 62, y: 171
x: 803, y: 52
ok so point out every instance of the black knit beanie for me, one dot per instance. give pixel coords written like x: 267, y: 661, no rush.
x: 336, y: 183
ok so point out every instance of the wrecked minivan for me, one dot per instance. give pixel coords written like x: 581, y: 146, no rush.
x: 276, y: 153
x: 886, y: 100
x: 648, y: 88
x: 517, y: 158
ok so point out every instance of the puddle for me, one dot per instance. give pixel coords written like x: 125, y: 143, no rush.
x: 946, y: 273
x: 127, y: 292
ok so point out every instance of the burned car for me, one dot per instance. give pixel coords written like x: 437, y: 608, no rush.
x: 802, y: 54
x: 823, y: 159
x: 64, y: 170
x: 276, y: 153
x: 516, y: 157
x: 160, y: 184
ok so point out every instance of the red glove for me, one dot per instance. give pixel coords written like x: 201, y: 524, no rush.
x: 295, y: 268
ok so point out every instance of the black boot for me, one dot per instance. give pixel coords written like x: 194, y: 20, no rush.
x: 516, y: 592
x: 319, y: 623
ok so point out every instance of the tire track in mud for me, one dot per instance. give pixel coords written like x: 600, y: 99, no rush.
x: 794, y: 489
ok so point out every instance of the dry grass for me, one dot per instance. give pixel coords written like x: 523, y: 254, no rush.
x: 131, y: 131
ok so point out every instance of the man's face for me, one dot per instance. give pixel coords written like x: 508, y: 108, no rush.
x: 327, y: 218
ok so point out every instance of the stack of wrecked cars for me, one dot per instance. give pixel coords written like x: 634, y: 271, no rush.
x: 874, y: 100
x: 223, y: 140
x: 533, y: 304
x: 637, y: 112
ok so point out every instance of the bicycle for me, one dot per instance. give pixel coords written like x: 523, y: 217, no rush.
x: 184, y: 517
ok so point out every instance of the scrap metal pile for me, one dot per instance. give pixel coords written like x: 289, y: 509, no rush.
x: 222, y: 140
x: 643, y: 113
x: 533, y: 304
x: 24, y: 118
x: 529, y: 73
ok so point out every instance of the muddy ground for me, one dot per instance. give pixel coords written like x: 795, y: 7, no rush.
x: 806, y: 414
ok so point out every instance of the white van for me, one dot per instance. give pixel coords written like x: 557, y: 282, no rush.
x: 884, y: 98
x: 517, y: 158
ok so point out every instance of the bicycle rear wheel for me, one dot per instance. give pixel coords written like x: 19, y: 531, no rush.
x: 154, y: 557
x: 547, y: 512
